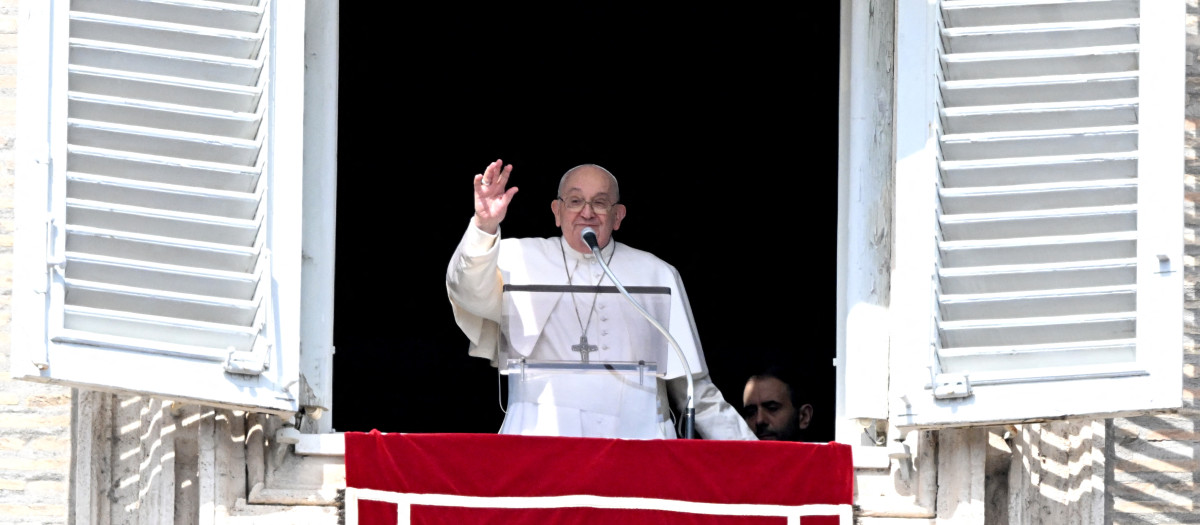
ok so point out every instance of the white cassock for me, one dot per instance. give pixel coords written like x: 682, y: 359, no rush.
x: 481, y: 266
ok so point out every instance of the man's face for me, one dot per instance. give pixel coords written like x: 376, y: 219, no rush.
x: 591, y: 185
x: 768, y: 410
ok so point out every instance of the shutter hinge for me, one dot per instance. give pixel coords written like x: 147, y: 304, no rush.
x: 951, y: 386
x: 251, y: 363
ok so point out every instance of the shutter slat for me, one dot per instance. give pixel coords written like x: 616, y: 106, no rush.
x: 1029, y: 277
x: 185, y: 199
x: 1070, y: 141
x: 1066, y: 221
x: 1039, y: 89
x: 149, y: 221
x: 1032, y: 170
x: 168, y: 90
x: 136, y: 59
x: 161, y: 303
x: 165, y: 170
x: 989, y: 12
x: 1025, y: 37
x: 191, y: 338
x: 170, y: 278
x: 1021, y: 363
x: 151, y: 141
x: 1071, y: 61
x: 1038, y: 303
x: 1039, y: 116
x: 165, y: 250
x: 1038, y: 196
x: 175, y: 37
x: 1040, y: 330
x: 227, y: 15
x: 1037, y: 250
x: 120, y: 110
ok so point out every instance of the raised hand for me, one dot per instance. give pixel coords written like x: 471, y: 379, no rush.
x: 491, y: 197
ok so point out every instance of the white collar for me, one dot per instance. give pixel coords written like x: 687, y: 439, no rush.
x: 573, y: 255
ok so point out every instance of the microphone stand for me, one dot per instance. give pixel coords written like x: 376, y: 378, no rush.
x: 689, y: 419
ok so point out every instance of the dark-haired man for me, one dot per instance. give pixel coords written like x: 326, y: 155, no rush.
x: 771, y: 408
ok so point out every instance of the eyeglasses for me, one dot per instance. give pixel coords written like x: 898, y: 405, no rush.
x: 600, y: 206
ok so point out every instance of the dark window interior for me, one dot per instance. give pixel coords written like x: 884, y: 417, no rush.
x: 720, y: 124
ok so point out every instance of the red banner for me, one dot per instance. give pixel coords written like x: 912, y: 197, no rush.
x: 686, y: 477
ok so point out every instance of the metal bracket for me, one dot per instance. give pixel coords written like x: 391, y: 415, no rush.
x: 251, y: 363
x: 951, y: 386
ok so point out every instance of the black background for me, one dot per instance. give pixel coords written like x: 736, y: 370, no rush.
x: 721, y: 125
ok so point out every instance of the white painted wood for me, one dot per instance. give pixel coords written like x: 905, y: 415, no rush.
x: 147, y: 61
x: 1040, y: 89
x: 196, y: 93
x: 32, y: 161
x: 121, y: 369
x: 286, y: 180
x: 1045, y: 249
x: 197, y: 176
x: 322, y: 22
x: 1056, y: 35
x: 1058, y: 226
x: 165, y: 239
x: 912, y: 280
x: 985, y: 12
x: 1033, y: 170
x: 159, y: 35
x: 864, y: 243
x: 224, y: 15
x: 87, y: 106
x: 165, y: 143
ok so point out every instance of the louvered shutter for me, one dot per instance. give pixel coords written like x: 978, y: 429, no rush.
x: 164, y: 207
x: 1054, y: 278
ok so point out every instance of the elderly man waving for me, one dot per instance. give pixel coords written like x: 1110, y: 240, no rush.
x: 483, y: 263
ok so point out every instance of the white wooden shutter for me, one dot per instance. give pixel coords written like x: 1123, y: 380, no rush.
x: 1055, y: 273
x: 163, y: 206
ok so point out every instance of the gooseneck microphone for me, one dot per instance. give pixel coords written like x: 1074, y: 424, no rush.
x: 689, y: 421
x: 589, y: 238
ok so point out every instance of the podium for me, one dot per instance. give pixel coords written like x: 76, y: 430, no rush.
x: 581, y: 361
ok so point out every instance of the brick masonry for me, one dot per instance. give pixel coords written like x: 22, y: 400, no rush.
x: 35, y: 419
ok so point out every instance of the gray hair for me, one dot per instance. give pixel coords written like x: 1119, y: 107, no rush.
x: 616, y: 189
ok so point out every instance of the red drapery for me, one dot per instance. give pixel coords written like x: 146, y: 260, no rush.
x: 487, y: 465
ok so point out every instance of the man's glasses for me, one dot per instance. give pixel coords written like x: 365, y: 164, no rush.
x: 600, y: 206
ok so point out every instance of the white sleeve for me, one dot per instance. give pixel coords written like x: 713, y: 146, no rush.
x: 475, y: 288
x: 715, y: 418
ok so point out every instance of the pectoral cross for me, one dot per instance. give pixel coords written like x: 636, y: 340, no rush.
x: 584, y: 349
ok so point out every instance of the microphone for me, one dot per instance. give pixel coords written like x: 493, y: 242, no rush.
x: 689, y: 419
x: 589, y: 238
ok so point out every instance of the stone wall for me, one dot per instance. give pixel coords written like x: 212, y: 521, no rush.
x: 1154, y: 467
